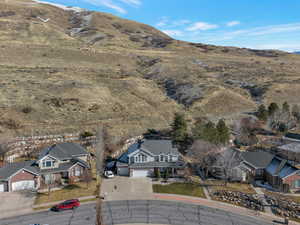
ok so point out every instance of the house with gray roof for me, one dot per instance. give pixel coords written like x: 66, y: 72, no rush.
x: 281, y: 175
x: 145, y: 157
x: 56, y: 165
x: 268, y: 168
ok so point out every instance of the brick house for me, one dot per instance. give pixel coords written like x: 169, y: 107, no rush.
x: 57, y: 165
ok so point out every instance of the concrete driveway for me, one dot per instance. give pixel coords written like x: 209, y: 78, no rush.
x: 127, y: 188
x: 15, y: 203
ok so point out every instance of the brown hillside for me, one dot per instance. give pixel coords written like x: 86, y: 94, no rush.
x: 80, y: 69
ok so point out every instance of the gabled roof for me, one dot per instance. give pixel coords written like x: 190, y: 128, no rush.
x: 63, y: 151
x: 293, y: 136
x: 157, y: 147
x: 154, y: 147
x: 10, y: 169
x: 257, y: 159
x: 281, y: 168
x: 292, y: 147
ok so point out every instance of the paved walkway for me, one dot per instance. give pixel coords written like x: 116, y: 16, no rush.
x: 49, y: 204
x: 261, y: 194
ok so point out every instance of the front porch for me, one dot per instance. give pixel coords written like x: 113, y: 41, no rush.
x: 169, y: 172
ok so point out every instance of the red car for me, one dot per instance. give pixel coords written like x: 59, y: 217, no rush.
x: 69, y: 204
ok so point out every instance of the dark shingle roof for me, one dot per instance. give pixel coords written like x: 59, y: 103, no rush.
x: 292, y: 147
x: 159, y: 146
x: 62, y: 151
x: 63, y: 167
x: 10, y: 169
x: 257, y: 159
x: 293, y: 136
x: 280, y: 167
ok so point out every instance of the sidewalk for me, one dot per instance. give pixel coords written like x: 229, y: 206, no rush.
x: 49, y: 204
x: 221, y: 205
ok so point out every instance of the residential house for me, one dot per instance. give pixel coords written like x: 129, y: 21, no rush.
x: 145, y: 157
x: 283, y: 176
x: 57, y: 164
x: 291, y: 137
x: 289, y: 151
x: 254, y: 164
x: 271, y: 170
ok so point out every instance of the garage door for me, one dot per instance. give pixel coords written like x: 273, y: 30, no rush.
x: 123, y: 171
x: 140, y: 173
x: 23, y: 185
x: 1, y: 187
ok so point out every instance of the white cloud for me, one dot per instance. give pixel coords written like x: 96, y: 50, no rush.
x: 132, y: 2
x: 162, y: 22
x: 113, y: 5
x: 177, y: 33
x: 201, y: 26
x: 253, y: 32
x: 290, y: 47
x: 166, y: 22
x: 233, y: 23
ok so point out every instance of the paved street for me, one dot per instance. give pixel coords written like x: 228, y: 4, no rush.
x: 138, y: 211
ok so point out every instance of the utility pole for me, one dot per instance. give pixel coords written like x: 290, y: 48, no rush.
x: 100, y: 148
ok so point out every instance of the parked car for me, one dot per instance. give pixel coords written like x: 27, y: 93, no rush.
x: 108, y: 174
x: 69, y: 204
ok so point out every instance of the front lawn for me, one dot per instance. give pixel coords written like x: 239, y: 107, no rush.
x: 69, y: 192
x: 180, y: 189
x: 216, y: 185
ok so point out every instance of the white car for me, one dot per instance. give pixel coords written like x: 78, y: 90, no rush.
x: 109, y: 174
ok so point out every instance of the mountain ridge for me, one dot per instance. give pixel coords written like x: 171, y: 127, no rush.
x: 96, y: 68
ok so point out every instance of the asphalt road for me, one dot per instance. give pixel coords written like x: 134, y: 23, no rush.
x: 138, y: 211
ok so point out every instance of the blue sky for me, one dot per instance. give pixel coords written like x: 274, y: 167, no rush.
x: 261, y: 24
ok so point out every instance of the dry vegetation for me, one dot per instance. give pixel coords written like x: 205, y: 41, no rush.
x: 79, y: 70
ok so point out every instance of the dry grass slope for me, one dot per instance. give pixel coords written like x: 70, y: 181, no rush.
x: 81, y: 69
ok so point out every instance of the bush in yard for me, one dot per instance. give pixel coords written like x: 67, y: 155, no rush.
x: 157, y: 173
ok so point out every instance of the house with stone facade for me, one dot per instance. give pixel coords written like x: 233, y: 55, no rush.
x: 145, y: 157
x: 57, y: 165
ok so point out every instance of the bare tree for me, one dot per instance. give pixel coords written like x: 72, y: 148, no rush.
x: 281, y: 121
x: 225, y: 162
x: 100, y: 149
x: 3, y: 150
x: 204, y: 154
x: 87, y: 176
x: 245, y: 131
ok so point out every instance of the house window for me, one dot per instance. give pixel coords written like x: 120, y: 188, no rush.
x: 170, y: 158
x: 157, y: 158
x: 161, y: 158
x: 166, y: 158
x: 297, y: 183
x: 77, y: 171
x: 47, y: 163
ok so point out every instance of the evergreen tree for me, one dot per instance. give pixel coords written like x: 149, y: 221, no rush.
x: 262, y: 113
x: 179, y: 128
x: 210, y: 133
x: 273, y: 107
x: 223, y: 132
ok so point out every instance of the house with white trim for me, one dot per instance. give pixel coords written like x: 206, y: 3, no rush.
x: 57, y: 165
x: 145, y: 157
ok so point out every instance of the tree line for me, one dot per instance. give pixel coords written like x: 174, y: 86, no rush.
x: 277, y: 118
